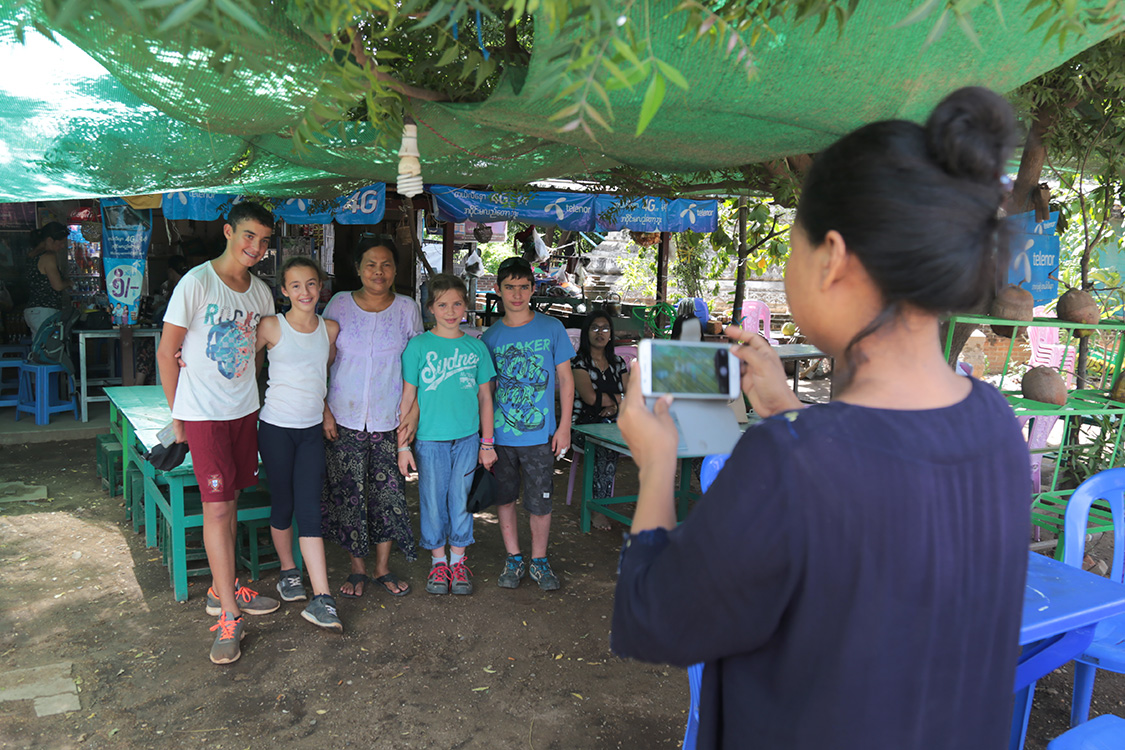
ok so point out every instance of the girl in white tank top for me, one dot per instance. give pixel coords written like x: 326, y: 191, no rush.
x: 301, y: 346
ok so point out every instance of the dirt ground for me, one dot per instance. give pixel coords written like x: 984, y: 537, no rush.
x: 499, y: 669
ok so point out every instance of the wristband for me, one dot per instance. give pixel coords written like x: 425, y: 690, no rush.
x: 487, y: 448
x: 404, y: 449
x: 487, y: 441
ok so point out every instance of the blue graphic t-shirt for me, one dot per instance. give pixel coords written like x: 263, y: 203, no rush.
x: 525, y: 358
x: 448, y: 374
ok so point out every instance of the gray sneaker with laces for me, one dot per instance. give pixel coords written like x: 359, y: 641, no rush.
x: 227, y: 646
x: 514, y: 570
x: 322, y: 613
x: 249, y: 601
x: 542, y: 574
x: 290, y: 587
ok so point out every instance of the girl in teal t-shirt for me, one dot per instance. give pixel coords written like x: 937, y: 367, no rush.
x: 448, y: 373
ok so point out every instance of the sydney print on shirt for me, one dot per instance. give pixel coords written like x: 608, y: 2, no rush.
x: 438, y: 369
x: 230, y: 338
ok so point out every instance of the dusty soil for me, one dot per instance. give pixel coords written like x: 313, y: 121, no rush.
x: 499, y: 669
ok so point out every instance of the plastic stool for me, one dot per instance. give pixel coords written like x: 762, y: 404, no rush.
x: 39, y: 388
x: 10, y: 381
x: 1107, y: 732
x: 109, y: 453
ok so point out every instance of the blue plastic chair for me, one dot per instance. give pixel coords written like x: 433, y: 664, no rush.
x: 1106, y: 732
x: 707, y: 474
x: 1108, y: 648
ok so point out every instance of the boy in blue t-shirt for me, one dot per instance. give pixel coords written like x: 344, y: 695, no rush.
x: 530, y: 351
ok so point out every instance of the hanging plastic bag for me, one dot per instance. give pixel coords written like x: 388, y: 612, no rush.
x: 473, y: 265
x: 542, y: 253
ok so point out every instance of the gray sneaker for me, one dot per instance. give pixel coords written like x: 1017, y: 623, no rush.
x: 290, y: 587
x: 542, y: 574
x: 514, y: 570
x: 322, y: 613
x: 462, y: 578
x: 249, y: 601
x: 227, y: 648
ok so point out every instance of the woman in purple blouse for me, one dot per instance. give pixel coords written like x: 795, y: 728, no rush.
x: 364, y: 504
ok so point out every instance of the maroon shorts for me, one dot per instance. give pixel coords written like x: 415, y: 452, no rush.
x: 224, y: 456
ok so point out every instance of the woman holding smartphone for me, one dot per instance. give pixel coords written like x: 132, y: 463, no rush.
x: 854, y: 576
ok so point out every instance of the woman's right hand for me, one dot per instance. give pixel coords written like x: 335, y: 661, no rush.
x: 329, y: 425
x: 763, y: 375
x: 406, y: 462
x: 178, y: 430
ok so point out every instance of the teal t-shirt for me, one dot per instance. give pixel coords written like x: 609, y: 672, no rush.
x: 447, y: 374
x: 526, y: 357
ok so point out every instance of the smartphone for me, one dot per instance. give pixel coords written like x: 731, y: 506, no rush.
x: 688, y: 369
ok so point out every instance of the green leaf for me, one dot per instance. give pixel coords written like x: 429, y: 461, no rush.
x: 239, y: 15
x: 938, y: 29
x: 181, y: 15
x: 616, y: 72
x: 654, y: 97
x: 671, y: 74
x: 626, y: 51
x: 918, y: 13
x: 966, y: 25
x: 448, y: 56
x: 597, y: 117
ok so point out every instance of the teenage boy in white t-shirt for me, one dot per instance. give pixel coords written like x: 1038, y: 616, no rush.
x: 213, y: 319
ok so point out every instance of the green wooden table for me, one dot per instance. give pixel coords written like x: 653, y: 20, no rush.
x: 139, y: 413
x: 609, y: 436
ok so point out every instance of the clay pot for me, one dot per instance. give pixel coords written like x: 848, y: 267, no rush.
x: 1077, y: 306
x: 1044, y: 385
x: 1012, y: 303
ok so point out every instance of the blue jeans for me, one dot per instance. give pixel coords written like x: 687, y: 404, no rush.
x: 445, y: 473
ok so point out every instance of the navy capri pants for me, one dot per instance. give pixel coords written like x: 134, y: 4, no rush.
x: 295, y: 467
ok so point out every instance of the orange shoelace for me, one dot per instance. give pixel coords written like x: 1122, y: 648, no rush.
x: 226, y: 627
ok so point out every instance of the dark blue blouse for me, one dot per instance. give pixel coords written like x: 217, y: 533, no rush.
x: 853, y: 579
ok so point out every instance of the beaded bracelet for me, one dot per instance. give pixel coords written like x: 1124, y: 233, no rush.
x: 404, y: 449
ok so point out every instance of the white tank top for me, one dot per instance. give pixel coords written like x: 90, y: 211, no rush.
x: 298, y: 377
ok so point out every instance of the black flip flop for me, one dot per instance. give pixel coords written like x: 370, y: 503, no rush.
x: 353, y: 579
x: 392, y: 578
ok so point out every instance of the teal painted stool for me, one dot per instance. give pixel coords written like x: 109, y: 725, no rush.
x: 109, y: 452
x: 39, y: 389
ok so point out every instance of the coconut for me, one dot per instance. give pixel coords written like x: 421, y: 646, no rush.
x: 1045, y: 385
x: 1077, y: 306
x: 1012, y: 303
x: 1117, y: 393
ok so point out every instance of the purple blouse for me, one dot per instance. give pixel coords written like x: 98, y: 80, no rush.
x: 365, y: 382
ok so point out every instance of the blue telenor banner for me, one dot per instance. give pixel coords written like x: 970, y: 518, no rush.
x: 582, y: 212
x: 126, y: 236
x: 1034, y: 255
x: 364, y: 206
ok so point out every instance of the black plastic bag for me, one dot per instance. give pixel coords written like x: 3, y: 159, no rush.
x: 482, y: 493
x: 166, y: 459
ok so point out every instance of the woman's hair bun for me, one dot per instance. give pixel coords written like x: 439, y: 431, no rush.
x: 971, y: 133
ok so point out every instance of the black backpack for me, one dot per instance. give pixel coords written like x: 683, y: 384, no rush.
x: 51, y: 345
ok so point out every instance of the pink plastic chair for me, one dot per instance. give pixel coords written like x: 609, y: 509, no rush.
x: 1046, y: 351
x: 575, y: 335
x: 627, y: 353
x: 756, y: 316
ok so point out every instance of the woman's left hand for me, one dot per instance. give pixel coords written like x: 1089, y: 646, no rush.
x: 651, y: 435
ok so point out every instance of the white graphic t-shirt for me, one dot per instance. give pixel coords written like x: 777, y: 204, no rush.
x: 218, y: 381
x: 448, y: 374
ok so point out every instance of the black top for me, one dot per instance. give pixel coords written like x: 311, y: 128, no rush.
x: 853, y: 579
x: 40, y: 293
x: 608, y: 381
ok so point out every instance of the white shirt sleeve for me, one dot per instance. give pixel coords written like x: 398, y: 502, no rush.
x: 182, y: 305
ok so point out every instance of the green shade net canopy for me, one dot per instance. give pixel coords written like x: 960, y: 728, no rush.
x: 110, y: 110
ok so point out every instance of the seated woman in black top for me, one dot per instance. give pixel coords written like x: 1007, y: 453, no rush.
x: 600, y: 377
x: 854, y: 576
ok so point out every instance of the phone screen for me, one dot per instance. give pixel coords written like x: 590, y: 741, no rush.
x: 686, y: 369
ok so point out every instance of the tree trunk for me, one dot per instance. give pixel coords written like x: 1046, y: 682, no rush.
x: 740, y: 268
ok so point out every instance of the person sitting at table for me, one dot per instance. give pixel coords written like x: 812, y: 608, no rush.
x: 45, y: 283
x: 213, y: 317
x: 854, y: 577
x: 600, y: 377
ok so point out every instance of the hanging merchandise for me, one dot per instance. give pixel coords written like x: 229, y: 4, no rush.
x: 542, y: 253
x: 473, y: 265
x: 482, y: 233
x: 126, y: 238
